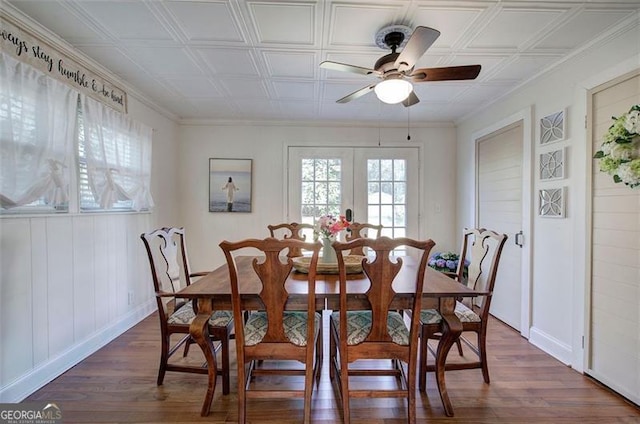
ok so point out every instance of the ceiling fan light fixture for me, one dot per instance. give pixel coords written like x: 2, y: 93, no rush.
x: 393, y: 91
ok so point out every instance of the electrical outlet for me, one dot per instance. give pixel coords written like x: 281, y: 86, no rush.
x: 130, y: 298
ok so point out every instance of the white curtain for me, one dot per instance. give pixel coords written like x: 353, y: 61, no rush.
x: 117, y: 150
x: 37, y: 129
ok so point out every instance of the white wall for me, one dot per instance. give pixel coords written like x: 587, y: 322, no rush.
x: 559, y: 253
x: 265, y: 144
x: 66, y: 280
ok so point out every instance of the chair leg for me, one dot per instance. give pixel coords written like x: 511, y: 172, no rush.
x: 422, y: 373
x: 482, y: 352
x: 344, y: 385
x: 224, y: 341
x: 187, y: 344
x: 332, y: 353
x: 411, y: 395
x: 459, y: 347
x: 242, y: 387
x: 164, y: 359
x: 308, y: 390
x: 319, y: 353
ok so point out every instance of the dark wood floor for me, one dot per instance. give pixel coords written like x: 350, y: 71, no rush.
x: 117, y: 385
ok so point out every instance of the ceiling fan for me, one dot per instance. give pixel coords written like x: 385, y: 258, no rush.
x: 396, y: 70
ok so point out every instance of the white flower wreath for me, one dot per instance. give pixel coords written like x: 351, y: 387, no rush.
x: 619, y: 152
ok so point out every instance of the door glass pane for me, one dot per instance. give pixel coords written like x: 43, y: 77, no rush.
x: 386, y: 201
x: 321, y: 188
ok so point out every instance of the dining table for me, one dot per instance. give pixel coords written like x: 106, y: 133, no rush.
x: 213, y: 292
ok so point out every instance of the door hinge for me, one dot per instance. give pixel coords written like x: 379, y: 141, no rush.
x: 582, y: 342
x: 585, y: 121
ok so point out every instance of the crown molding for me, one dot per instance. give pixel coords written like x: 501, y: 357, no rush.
x: 309, y: 123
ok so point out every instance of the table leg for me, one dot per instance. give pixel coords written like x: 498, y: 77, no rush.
x: 451, y: 330
x: 199, y: 330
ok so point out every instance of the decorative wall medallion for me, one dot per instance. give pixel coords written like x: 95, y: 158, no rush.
x: 552, y: 128
x: 551, y: 203
x: 552, y: 165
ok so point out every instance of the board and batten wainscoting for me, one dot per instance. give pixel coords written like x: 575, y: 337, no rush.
x: 68, y: 285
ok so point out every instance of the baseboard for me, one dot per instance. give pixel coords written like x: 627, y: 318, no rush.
x: 45, y: 372
x: 554, y: 347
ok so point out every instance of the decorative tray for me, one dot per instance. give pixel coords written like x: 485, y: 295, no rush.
x: 353, y: 263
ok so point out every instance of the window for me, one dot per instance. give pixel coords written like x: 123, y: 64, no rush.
x: 45, y: 126
x: 37, y: 123
x: 386, y: 199
x: 321, y: 188
x: 113, y: 167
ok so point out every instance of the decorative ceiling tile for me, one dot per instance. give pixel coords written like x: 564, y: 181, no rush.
x: 259, y: 59
x: 127, y: 20
x: 512, y: 27
x: 523, y: 67
x: 164, y: 60
x: 206, y: 21
x: 294, y: 90
x: 452, y: 22
x: 194, y: 87
x: 583, y: 27
x: 112, y: 58
x: 57, y: 17
x: 227, y: 61
x: 292, y: 64
x: 239, y: 88
x: 284, y: 23
x: 440, y: 91
x: 356, y: 25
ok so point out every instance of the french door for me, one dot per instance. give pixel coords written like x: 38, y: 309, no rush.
x: 380, y: 185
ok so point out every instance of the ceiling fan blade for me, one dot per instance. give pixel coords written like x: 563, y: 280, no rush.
x: 411, y: 100
x: 448, y: 73
x: 336, y: 66
x: 421, y: 39
x: 356, y: 94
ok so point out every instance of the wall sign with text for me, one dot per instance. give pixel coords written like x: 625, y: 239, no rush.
x: 29, y: 49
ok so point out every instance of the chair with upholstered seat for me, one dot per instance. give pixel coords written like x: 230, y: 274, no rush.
x: 358, y: 230
x: 167, y: 252
x: 292, y: 231
x: 481, y: 249
x: 272, y: 334
x: 374, y: 330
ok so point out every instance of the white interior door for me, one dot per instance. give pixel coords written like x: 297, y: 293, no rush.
x: 613, y: 342
x: 380, y: 185
x: 499, y: 208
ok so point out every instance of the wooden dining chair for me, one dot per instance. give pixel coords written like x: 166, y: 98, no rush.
x: 293, y: 231
x: 272, y: 334
x: 358, y: 230
x: 167, y: 252
x: 481, y: 249
x: 375, y: 331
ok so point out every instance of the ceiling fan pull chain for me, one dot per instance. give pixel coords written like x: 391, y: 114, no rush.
x: 379, y: 122
x: 408, y: 124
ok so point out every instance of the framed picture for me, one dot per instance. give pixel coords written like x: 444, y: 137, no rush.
x: 230, y: 185
x: 552, y: 165
x: 551, y: 202
x: 553, y: 127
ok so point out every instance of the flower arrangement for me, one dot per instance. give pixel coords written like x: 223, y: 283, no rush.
x: 619, y: 152
x: 328, y: 226
x: 444, y: 261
